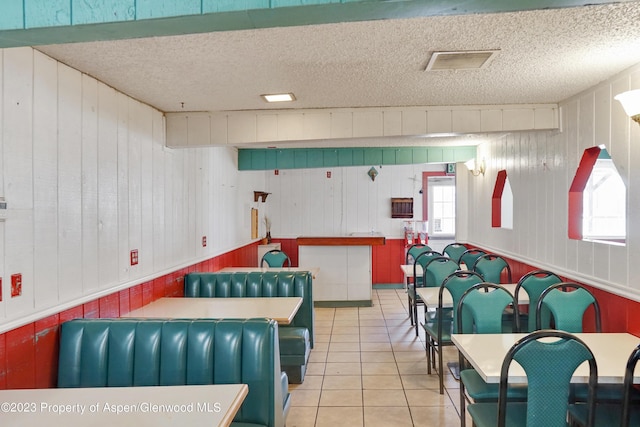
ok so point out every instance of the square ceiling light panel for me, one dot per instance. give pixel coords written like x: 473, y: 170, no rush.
x: 462, y: 60
x: 279, y: 97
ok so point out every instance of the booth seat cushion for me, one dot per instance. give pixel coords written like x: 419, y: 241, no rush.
x: 294, y: 341
x: 156, y: 352
x: 297, y: 338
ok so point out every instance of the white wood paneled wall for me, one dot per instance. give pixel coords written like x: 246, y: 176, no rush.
x: 87, y: 178
x: 304, y: 202
x: 541, y: 167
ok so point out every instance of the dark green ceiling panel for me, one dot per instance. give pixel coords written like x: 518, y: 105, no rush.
x: 358, y: 156
x: 389, y: 156
x: 435, y: 155
x: 345, y: 157
x: 420, y: 155
x: 36, y: 22
x: 271, y: 159
x: 373, y: 156
x: 404, y: 157
x: 463, y: 154
x: 315, y: 158
x: 259, y: 159
x: 301, y: 158
x: 330, y: 158
x: 286, y: 159
x: 244, y: 160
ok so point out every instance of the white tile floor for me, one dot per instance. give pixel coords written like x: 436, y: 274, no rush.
x: 369, y: 369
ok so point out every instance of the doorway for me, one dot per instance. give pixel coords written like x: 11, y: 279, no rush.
x: 439, y: 208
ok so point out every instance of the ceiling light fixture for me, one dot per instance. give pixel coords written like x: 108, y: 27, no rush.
x: 630, y: 101
x: 279, y: 97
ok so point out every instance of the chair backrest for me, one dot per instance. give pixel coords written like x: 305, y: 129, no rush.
x: 628, y: 385
x: 454, y: 251
x: 534, y: 282
x: 275, y: 258
x: 422, y: 260
x: 470, y: 256
x: 491, y: 266
x: 414, y: 251
x: 568, y: 306
x: 437, y: 269
x: 484, y: 305
x: 549, y: 366
x: 457, y: 284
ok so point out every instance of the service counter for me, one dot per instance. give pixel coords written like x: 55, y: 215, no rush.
x: 345, y: 262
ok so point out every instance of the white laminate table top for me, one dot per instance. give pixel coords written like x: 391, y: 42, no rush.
x: 430, y: 295
x: 313, y: 270
x: 486, y: 352
x: 186, y: 405
x: 407, y: 269
x: 281, y: 309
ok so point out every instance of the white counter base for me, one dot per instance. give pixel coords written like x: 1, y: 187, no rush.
x: 346, y: 274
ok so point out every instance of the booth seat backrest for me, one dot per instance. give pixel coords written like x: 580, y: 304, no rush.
x: 153, y: 352
x: 257, y: 284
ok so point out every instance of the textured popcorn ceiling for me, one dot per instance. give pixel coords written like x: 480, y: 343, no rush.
x: 544, y: 56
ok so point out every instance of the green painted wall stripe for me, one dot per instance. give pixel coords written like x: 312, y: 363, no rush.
x: 307, y: 158
x: 37, y: 22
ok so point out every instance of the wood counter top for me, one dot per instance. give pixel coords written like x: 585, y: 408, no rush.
x: 341, y: 241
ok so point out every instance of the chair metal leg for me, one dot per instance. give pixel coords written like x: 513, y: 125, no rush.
x: 411, y: 311
x: 429, y: 353
x: 415, y: 315
x: 440, y: 370
x: 463, y: 404
x: 410, y: 305
x: 463, y: 397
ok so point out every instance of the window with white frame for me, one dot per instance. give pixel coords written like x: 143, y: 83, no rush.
x: 442, y: 207
x: 604, y: 203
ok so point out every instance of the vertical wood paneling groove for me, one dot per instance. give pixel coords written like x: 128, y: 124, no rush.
x: 87, y: 177
x: 89, y: 197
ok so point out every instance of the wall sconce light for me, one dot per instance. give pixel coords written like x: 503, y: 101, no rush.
x: 630, y: 101
x: 372, y: 173
x: 475, y: 169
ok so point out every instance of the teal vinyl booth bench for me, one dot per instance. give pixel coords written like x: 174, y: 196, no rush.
x: 157, y: 352
x: 296, y: 339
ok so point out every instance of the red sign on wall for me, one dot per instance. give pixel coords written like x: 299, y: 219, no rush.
x: 16, y: 285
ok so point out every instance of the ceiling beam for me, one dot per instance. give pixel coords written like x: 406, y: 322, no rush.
x: 38, y: 22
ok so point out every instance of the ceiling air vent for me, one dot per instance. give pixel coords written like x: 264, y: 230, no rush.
x: 464, y: 60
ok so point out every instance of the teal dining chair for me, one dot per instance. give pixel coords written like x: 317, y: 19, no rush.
x: 454, y: 251
x: 624, y: 413
x: 470, y: 256
x: 549, y: 366
x: 275, y: 258
x: 413, y: 299
x: 567, y: 303
x: 533, y: 283
x: 439, y: 327
x: 491, y: 267
x: 481, y: 310
x: 412, y: 253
